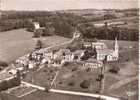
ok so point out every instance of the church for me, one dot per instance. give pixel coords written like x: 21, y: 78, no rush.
x: 101, y: 50
x: 107, y: 54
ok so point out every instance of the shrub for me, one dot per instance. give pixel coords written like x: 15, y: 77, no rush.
x: 74, y: 69
x: 115, y: 70
x: 71, y: 83
x: 60, y: 82
x: 85, y: 84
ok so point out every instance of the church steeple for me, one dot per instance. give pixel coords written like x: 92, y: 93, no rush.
x: 116, y: 47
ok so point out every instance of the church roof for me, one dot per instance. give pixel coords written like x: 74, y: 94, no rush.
x: 104, y: 51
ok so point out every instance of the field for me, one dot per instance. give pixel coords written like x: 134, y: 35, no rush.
x: 43, y: 77
x: 132, y: 22
x: 16, y: 43
x: 129, y: 90
x: 126, y: 80
x: 71, y: 77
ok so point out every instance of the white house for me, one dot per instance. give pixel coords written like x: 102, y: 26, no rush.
x: 36, y: 25
x: 12, y: 71
x: 76, y: 34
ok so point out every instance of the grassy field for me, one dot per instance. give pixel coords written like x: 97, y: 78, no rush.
x: 71, y: 76
x: 128, y: 64
x: 43, y: 77
x: 130, y: 87
x: 128, y: 19
x: 132, y: 22
x: 16, y: 43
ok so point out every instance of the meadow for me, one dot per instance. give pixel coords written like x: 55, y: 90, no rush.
x: 16, y: 43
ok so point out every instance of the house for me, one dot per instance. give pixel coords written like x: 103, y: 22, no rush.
x: 12, y: 71
x: 38, y: 31
x: 97, y: 45
x: 57, y: 62
x: 78, y: 54
x: 31, y: 65
x: 46, y: 60
x: 36, y: 25
x: 91, y: 64
x: 76, y: 34
x: 50, y: 55
x: 87, y: 44
x: 68, y: 58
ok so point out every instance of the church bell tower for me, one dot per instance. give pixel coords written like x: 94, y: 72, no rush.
x: 116, y: 48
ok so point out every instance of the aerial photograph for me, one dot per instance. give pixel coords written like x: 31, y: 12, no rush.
x: 69, y: 50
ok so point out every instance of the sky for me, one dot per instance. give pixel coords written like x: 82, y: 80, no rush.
x: 67, y: 4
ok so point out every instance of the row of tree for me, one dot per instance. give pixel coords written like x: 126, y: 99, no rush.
x: 107, y: 32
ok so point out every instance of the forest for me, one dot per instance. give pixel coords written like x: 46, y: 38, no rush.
x: 64, y: 24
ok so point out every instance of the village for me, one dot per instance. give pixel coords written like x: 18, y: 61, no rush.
x: 58, y: 62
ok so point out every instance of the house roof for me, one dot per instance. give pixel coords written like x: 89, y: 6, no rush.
x: 103, y: 45
x: 92, y: 61
x: 78, y: 52
x: 61, y: 51
x: 87, y: 43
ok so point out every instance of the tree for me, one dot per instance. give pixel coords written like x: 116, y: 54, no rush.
x: 37, y: 33
x: 30, y: 26
x: 71, y: 83
x: 39, y: 44
x: 88, y: 30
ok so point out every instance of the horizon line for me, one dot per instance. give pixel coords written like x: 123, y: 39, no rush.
x: 71, y: 9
